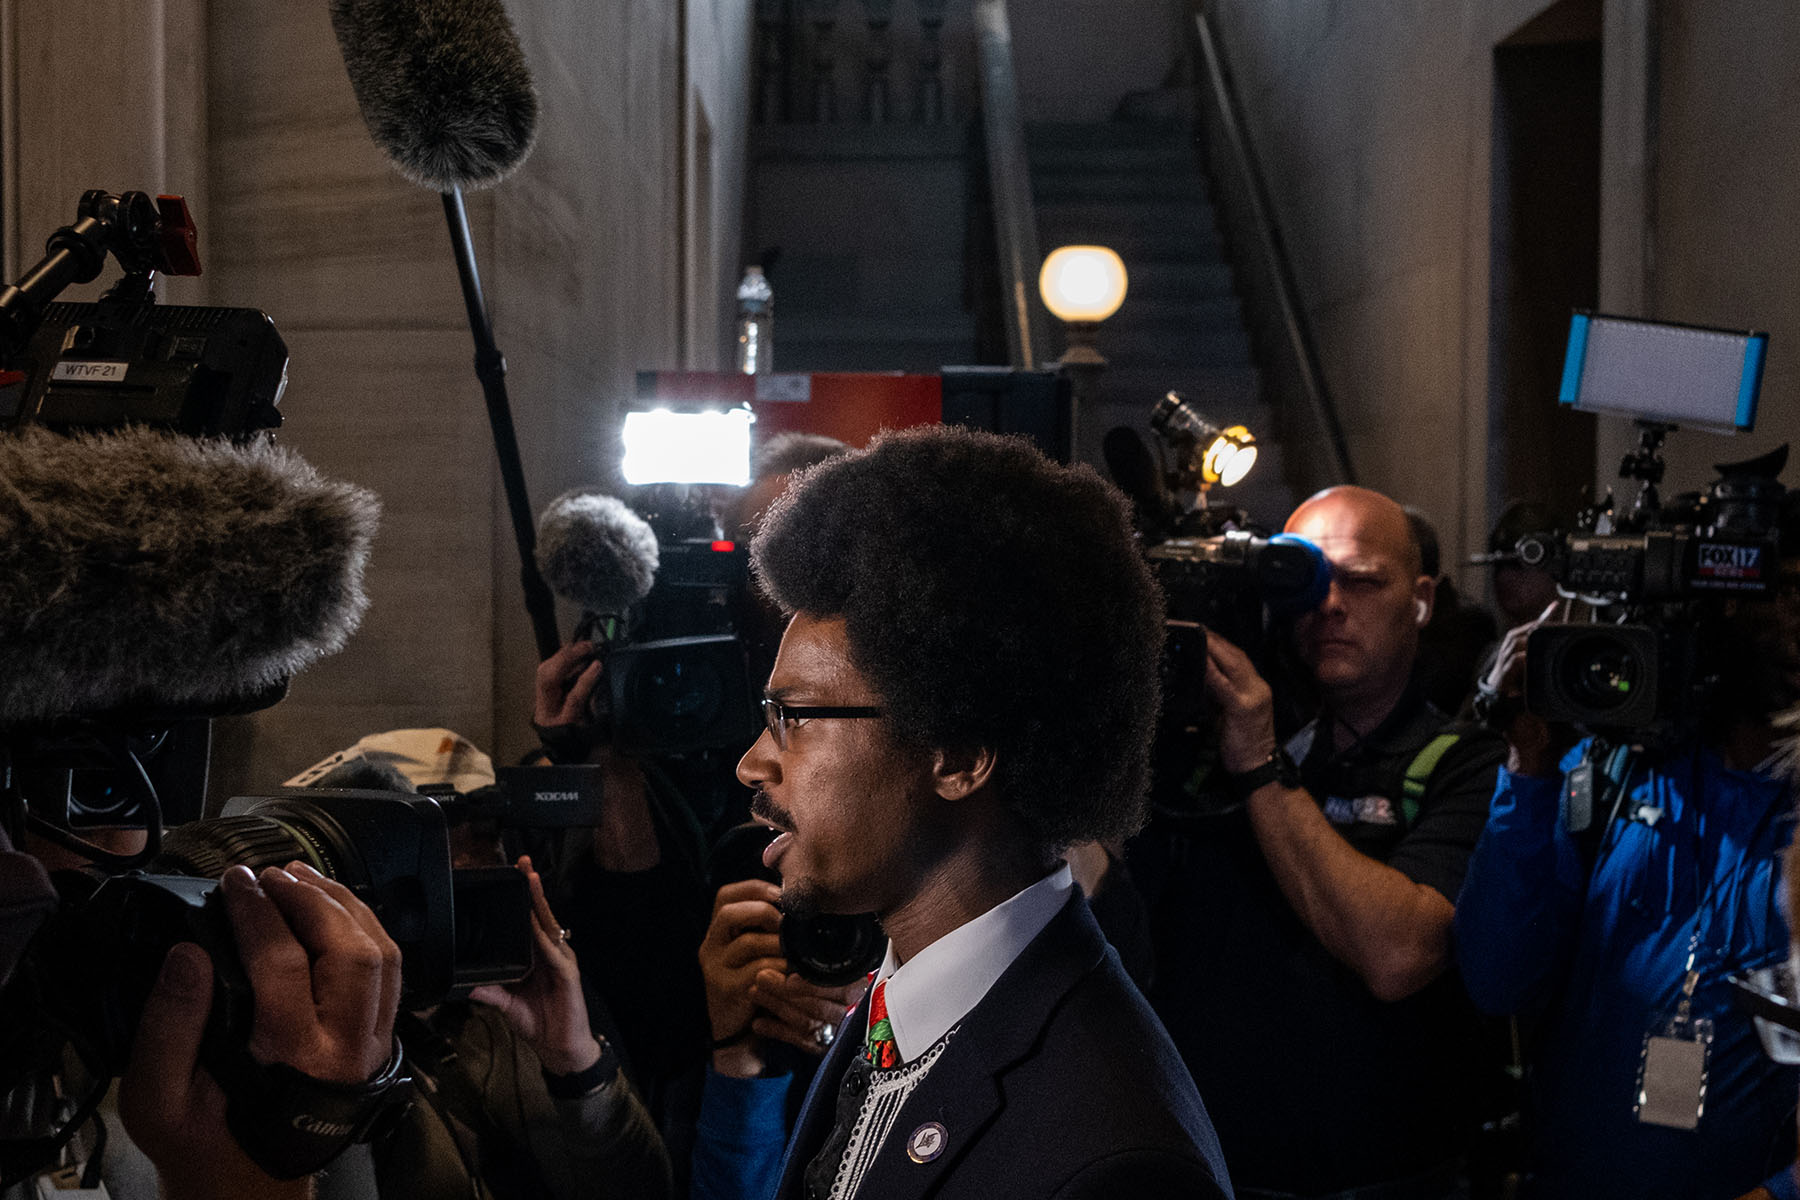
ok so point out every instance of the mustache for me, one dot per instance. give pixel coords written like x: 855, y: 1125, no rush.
x: 768, y: 810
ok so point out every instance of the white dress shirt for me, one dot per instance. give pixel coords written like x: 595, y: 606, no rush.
x: 928, y: 994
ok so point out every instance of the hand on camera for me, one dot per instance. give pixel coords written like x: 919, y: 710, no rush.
x: 1246, y: 706
x: 326, y: 980
x: 547, y: 1007
x: 804, y: 1015
x: 565, y: 685
x: 1529, y: 737
x: 750, y: 996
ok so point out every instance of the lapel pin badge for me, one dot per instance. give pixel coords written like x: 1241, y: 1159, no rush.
x: 926, y: 1142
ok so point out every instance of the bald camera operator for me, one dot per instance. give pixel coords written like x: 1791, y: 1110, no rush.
x: 1303, y: 945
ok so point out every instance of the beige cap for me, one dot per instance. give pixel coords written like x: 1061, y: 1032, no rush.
x: 425, y: 756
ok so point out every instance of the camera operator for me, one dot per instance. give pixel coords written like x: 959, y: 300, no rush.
x: 1302, y: 962
x: 634, y: 891
x: 1618, y: 941
x: 517, y: 1095
x: 326, y: 980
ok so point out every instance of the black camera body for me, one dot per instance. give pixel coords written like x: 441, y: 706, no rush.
x: 1231, y: 584
x: 1649, y: 661
x: 94, y: 962
x: 679, y: 678
x: 202, y: 372
x: 828, y: 949
x: 1227, y: 581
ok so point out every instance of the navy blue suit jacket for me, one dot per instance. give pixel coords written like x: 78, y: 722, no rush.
x: 1060, y: 1082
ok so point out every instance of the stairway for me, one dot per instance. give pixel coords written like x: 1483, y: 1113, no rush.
x: 1136, y: 186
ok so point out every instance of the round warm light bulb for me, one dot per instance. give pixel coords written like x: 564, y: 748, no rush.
x: 1082, y: 283
x: 1229, y: 457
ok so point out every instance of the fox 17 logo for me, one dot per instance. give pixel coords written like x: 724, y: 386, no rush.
x: 1721, y: 561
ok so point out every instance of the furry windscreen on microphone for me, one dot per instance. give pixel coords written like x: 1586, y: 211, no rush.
x: 442, y: 85
x: 141, y: 568
x: 596, y: 552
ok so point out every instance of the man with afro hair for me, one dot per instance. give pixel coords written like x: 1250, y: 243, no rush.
x: 967, y: 687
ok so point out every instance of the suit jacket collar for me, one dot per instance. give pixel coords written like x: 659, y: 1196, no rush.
x: 961, y: 1092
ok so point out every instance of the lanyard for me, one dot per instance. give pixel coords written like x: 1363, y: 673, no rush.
x: 1706, y: 901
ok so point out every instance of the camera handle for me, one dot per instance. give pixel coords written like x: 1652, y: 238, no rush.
x: 145, y: 235
x: 1645, y: 464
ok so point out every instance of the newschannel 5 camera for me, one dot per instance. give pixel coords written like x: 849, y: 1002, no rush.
x: 1652, y: 577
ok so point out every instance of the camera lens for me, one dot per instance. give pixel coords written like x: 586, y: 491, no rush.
x: 828, y: 949
x: 832, y: 949
x: 1601, y: 672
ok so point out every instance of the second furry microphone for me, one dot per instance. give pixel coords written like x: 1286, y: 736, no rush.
x: 442, y: 85
x: 595, y: 552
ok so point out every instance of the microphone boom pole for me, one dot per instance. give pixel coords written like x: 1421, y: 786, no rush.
x: 490, y: 369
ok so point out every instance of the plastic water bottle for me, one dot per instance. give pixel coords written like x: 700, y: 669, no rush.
x: 756, y: 324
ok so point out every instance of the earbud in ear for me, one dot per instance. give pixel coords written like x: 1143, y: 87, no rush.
x: 1422, y: 611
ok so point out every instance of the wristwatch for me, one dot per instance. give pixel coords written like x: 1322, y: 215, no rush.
x: 1494, y: 710
x: 1278, y: 769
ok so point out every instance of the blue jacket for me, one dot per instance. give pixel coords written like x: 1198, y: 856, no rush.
x: 1597, y: 954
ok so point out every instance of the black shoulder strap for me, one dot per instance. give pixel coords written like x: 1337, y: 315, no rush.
x: 1418, y: 773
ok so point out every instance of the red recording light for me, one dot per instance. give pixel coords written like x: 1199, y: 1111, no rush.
x: 724, y: 547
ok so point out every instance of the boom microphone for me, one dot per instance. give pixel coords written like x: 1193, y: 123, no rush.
x: 595, y: 552
x: 140, y: 569
x: 442, y: 86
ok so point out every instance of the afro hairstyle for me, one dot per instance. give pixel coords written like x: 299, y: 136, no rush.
x: 992, y: 598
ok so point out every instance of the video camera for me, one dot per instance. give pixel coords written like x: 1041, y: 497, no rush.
x: 659, y: 587
x: 827, y: 949
x: 114, y: 378
x: 1216, y: 574
x: 680, y: 680
x: 1646, y: 663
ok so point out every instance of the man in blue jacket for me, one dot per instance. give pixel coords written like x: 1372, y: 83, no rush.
x: 1616, y: 946
x: 967, y: 686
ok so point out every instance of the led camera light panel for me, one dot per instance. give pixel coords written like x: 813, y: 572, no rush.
x: 1682, y: 374
x: 687, y: 447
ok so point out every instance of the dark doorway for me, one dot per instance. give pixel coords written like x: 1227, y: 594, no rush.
x: 1544, y: 253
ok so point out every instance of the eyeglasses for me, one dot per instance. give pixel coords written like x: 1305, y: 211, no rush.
x: 781, y: 718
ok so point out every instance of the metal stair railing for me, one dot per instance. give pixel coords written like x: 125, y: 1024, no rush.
x: 1009, y: 181
x: 1221, y: 116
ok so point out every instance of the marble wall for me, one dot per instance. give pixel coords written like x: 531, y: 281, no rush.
x: 609, y: 250
x: 1372, y: 124
x: 1723, y: 177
